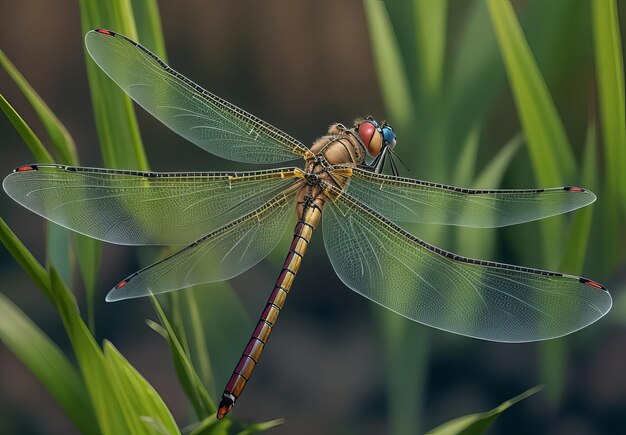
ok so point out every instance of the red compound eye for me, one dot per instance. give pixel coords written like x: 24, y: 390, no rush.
x: 371, y: 137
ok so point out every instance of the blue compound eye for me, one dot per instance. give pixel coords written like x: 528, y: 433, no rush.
x: 389, y: 136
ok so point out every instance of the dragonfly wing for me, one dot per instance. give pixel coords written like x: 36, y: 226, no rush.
x: 194, y: 113
x: 143, y: 208
x: 481, y: 299
x: 221, y: 255
x: 407, y: 200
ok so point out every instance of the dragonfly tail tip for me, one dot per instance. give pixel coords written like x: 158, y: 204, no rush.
x: 226, y: 405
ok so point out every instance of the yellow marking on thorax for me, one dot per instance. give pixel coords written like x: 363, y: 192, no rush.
x: 346, y: 172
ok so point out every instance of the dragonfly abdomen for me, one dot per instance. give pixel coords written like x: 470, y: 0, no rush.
x: 253, y: 351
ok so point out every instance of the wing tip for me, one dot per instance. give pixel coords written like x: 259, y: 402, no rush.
x: 588, y: 193
x: 105, y: 32
x: 26, y: 168
x: 574, y: 189
x: 113, y: 295
x: 592, y: 284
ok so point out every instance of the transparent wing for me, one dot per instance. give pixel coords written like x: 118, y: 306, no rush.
x: 407, y: 200
x: 143, y: 208
x: 480, y: 299
x: 194, y: 113
x: 218, y: 256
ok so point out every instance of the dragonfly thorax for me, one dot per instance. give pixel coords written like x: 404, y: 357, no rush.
x: 341, y: 146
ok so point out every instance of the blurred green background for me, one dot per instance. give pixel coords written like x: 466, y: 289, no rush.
x: 475, y: 99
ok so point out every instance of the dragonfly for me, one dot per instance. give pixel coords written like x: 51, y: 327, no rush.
x: 227, y: 222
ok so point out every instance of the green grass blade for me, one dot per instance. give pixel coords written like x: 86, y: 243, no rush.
x: 220, y: 333
x: 120, y: 140
x: 32, y: 141
x: 430, y: 31
x: 58, y: 251
x: 111, y: 412
x: 491, y: 176
x: 47, y: 363
x: 475, y: 424
x: 261, y: 427
x: 576, y: 248
x: 139, y: 394
x: 25, y: 259
x: 149, y: 27
x: 198, y: 339
x: 466, y: 163
x: 390, y: 69
x: 405, y: 348
x: 187, y: 375
x: 60, y: 138
x: 476, y: 76
x: 212, y: 426
x: 548, y: 145
x: 610, y: 77
x: 88, y: 253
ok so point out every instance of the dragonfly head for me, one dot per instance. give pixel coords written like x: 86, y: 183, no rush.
x: 375, y: 137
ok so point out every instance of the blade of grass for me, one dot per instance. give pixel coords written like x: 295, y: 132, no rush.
x: 430, y: 31
x: 189, y: 379
x: 221, y: 332
x: 149, y: 27
x: 405, y: 350
x: 25, y: 259
x: 548, y: 145
x: 476, y: 77
x: 58, y: 251
x: 90, y: 360
x: 47, y: 363
x: 88, y: 253
x: 120, y: 140
x: 60, y: 138
x: 112, y: 412
x: 475, y: 424
x: 610, y: 77
x: 576, y: 248
x: 139, y: 394
x: 261, y: 427
x: 389, y: 66
x: 30, y: 138
x: 465, y: 164
x: 199, y: 340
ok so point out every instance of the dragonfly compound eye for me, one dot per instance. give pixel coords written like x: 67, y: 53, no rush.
x: 372, y: 137
x: 389, y: 136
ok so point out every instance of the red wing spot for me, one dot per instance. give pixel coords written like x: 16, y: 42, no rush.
x: 104, y: 32
x: 121, y: 284
x: 575, y: 189
x: 24, y: 169
x: 594, y: 284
